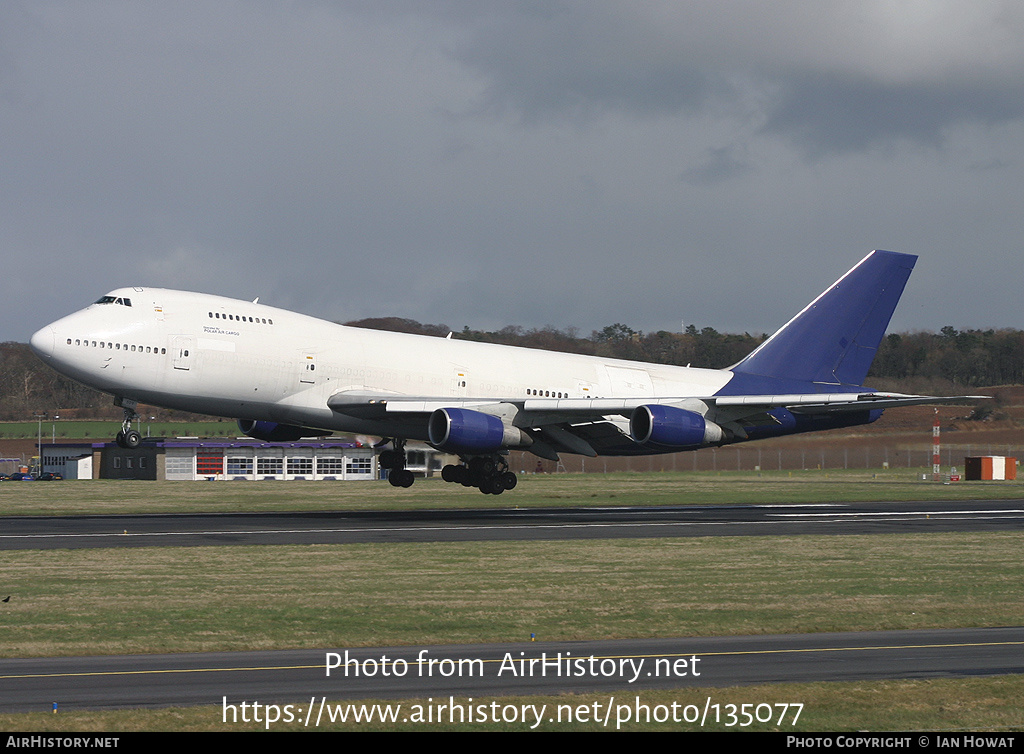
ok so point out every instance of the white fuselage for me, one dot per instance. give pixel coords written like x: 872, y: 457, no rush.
x: 225, y: 357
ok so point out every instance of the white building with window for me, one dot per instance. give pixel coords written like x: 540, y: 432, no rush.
x: 193, y: 459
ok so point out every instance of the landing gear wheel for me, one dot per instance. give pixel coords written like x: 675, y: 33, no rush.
x: 394, y: 462
x: 508, y: 480
x: 453, y: 473
x: 128, y: 437
x: 482, y: 465
x: 492, y: 485
x: 401, y: 478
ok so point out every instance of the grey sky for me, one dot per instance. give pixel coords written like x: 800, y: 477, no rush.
x: 533, y: 163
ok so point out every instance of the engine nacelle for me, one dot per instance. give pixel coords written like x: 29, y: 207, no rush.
x: 460, y: 430
x: 670, y: 427
x: 274, y: 432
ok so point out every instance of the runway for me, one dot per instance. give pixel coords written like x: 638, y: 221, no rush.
x: 629, y: 667
x: 191, y: 530
x: 620, y: 669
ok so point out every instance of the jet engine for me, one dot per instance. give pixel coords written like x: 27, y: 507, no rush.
x: 670, y: 427
x: 274, y: 432
x: 460, y: 430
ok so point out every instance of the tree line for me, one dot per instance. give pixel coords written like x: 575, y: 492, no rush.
x: 948, y: 361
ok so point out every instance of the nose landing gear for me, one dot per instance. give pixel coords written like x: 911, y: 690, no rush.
x: 128, y: 437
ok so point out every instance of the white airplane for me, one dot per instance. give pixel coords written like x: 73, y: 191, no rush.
x: 285, y: 375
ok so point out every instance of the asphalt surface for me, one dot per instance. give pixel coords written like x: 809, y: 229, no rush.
x: 621, y: 669
x: 159, y: 530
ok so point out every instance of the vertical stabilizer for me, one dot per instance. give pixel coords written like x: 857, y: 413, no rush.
x: 834, y: 339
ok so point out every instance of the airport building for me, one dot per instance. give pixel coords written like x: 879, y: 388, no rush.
x: 242, y: 458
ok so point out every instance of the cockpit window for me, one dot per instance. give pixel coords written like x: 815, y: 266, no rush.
x: 115, y: 300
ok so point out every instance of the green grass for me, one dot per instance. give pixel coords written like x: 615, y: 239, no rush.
x: 541, y: 490
x: 141, y: 600
x: 106, y: 429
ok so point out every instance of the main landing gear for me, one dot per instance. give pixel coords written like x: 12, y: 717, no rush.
x: 394, y: 462
x: 489, y: 474
x: 128, y: 437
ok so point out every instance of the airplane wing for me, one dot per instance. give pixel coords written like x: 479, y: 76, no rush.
x: 586, y: 426
x: 378, y: 405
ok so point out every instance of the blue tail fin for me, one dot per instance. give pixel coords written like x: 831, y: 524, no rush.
x: 834, y: 339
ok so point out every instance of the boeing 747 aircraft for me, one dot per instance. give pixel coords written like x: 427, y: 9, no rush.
x: 285, y: 375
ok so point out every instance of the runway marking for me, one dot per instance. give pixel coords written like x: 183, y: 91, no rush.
x: 731, y: 653
x: 905, y: 513
x: 835, y: 517
x: 377, y: 529
x: 772, y: 518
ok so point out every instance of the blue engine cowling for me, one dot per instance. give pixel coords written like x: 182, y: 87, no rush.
x: 274, y: 432
x: 460, y: 430
x: 670, y: 427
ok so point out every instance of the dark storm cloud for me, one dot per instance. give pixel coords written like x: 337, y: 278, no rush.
x: 492, y: 163
x: 571, y: 59
x: 722, y: 164
x: 579, y: 59
x: 841, y: 113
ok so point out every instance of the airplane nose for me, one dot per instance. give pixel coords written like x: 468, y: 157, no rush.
x: 42, y: 342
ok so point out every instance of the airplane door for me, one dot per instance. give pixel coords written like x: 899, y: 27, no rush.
x: 308, y: 374
x: 182, y: 352
x: 460, y: 381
